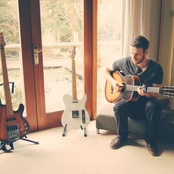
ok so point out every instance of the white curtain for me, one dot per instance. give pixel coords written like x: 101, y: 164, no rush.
x: 172, y: 77
x: 136, y: 21
x: 167, y: 50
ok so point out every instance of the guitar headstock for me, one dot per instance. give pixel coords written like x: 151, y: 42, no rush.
x: 167, y: 91
x: 72, y: 52
x: 2, y: 41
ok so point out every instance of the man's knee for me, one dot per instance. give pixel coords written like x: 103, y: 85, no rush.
x: 153, y: 109
x: 119, y: 107
x: 154, y: 105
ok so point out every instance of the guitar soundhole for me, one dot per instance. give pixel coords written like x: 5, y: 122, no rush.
x: 123, y: 88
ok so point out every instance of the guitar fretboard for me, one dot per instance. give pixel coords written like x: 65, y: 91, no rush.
x: 149, y: 89
x: 74, y: 89
x: 6, y: 84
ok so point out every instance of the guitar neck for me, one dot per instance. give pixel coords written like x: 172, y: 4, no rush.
x: 149, y: 89
x: 74, y: 88
x: 6, y: 84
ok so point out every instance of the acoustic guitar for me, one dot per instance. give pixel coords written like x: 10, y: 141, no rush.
x: 75, y: 115
x: 12, y: 124
x: 129, y: 89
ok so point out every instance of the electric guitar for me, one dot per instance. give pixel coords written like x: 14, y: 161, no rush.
x: 75, y: 115
x: 129, y: 89
x: 12, y: 125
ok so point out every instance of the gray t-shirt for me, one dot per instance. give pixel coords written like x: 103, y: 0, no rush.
x: 153, y: 73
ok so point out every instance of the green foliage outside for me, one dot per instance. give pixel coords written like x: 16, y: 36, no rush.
x: 9, y: 21
x: 56, y: 18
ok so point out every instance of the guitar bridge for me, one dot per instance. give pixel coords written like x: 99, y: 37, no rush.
x: 12, y: 132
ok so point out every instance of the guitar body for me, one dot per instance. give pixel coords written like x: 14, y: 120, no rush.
x: 113, y: 96
x: 12, y: 127
x: 75, y: 115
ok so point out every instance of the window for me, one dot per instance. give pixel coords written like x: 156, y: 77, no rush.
x: 9, y: 26
x: 61, y: 23
x: 109, y: 40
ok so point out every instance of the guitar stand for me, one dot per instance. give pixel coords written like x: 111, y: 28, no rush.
x: 3, y: 144
x: 64, y: 131
x: 85, y: 135
x: 35, y: 142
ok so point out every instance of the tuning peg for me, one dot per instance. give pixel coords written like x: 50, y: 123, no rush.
x: 168, y: 95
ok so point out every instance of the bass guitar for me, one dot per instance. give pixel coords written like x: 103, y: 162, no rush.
x: 129, y: 89
x: 12, y: 124
x: 75, y: 115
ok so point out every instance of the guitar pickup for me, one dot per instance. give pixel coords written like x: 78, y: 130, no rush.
x: 12, y: 132
x: 83, y: 116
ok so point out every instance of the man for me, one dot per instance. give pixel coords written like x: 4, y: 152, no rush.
x: 147, y: 106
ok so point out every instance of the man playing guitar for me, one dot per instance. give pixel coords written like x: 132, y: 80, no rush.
x: 146, y: 106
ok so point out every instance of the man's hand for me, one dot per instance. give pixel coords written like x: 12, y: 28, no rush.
x: 117, y: 86
x: 141, y: 90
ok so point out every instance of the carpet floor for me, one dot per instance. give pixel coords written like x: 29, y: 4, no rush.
x: 76, y: 154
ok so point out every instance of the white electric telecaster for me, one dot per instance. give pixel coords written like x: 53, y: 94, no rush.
x: 75, y: 115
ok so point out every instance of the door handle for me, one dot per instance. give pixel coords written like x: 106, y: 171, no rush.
x: 36, y: 56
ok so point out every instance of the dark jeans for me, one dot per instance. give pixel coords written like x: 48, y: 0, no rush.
x: 144, y: 108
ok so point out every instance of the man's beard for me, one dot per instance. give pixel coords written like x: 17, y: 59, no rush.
x: 140, y: 61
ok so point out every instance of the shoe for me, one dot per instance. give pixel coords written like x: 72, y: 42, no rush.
x: 153, y: 149
x: 116, y: 143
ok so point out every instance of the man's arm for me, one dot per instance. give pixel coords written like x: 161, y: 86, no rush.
x: 106, y: 72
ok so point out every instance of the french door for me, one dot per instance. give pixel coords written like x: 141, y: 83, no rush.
x: 37, y: 53
x: 43, y: 94
x: 41, y: 56
x: 32, y: 72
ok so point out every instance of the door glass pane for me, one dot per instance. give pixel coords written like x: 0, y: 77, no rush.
x: 109, y: 41
x: 9, y: 26
x: 61, y: 23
